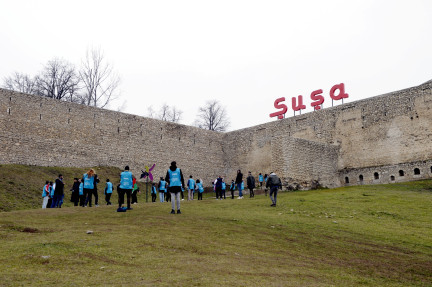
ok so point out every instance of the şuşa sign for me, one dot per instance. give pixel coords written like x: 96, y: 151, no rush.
x: 316, y: 97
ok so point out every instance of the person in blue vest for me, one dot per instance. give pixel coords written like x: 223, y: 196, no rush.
x: 191, y: 187
x: 126, y: 186
x: 260, y: 179
x: 223, y: 189
x: 108, y: 191
x: 199, y: 188
x: 153, y: 192
x: 175, y: 180
x: 162, y: 189
x: 90, y: 180
x: 81, y: 193
x: 232, y: 188
x: 45, y: 194
x: 51, y: 194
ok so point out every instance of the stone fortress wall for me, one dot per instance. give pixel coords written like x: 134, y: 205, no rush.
x: 377, y: 140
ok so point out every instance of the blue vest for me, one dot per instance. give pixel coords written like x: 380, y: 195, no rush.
x: 242, y: 185
x: 200, y: 187
x: 109, y: 187
x: 223, y: 186
x: 175, y: 178
x: 81, y: 189
x: 162, y: 185
x: 191, y: 183
x: 232, y: 187
x: 44, y: 192
x: 153, y: 189
x: 88, y: 181
x: 260, y: 178
x: 126, y: 180
x: 51, y: 191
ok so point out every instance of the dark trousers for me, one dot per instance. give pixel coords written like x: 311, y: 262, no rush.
x: 134, y: 197
x: 121, y: 193
x: 232, y: 193
x: 108, y: 198
x: 167, y: 196
x: 218, y: 192
x: 182, y: 194
x: 49, y: 203
x: 82, y: 200
x: 75, y: 198
x: 91, y: 192
x: 251, y: 192
x: 153, y: 197
x: 199, y: 195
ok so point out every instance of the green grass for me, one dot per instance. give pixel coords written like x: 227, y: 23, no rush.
x: 366, y: 235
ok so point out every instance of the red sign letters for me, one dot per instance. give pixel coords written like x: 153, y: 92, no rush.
x: 316, y: 97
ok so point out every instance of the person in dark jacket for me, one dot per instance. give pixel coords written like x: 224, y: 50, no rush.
x: 274, y: 183
x: 238, y: 181
x: 175, y: 180
x: 75, y: 192
x: 218, y: 187
x: 58, y: 192
x: 250, y: 182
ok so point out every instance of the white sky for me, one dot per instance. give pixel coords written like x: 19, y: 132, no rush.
x: 243, y: 53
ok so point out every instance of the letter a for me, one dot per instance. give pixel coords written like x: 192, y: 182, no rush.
x: 300, y: 105
x: 277, y: 105
x: 342, y: 94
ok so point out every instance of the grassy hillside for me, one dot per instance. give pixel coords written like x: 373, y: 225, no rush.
x: 366, y: 235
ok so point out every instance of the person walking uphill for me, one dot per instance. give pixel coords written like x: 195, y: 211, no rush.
x: 126, y: 186
x: 274, y: 183
x: 175, y: 180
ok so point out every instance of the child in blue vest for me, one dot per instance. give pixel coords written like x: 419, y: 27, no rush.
x: 153, y: 192
x: 191, y: 187
x: 162, y: 189
x: 223, y: 189
x: 81, y: 193
x: 260, y: 179
x: 200, y: 189
x: 108, y: 191
x: 232, y: 188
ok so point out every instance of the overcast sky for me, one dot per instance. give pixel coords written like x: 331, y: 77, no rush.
x: 243, y: 53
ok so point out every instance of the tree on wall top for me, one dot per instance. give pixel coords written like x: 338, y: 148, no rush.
x: 212, y: 116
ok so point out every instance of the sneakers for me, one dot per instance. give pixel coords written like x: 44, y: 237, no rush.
x: 240, y: 197
x: 129, y: 208
x: 178, y: 211
x: 172, y: 211
x: 274, y: 205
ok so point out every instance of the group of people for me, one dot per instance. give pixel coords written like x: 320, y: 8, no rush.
x: 171, y: 188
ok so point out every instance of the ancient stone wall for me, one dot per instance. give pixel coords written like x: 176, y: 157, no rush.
x: 335, y: 146
x: 41, y: 131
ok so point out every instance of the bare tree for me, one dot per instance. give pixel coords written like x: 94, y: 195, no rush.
x: 58, y: 80
x: 212, y: 116
x: 99, y: 79
x: 175, y: 115
x: 165, y: 113
x: 20, y: 83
